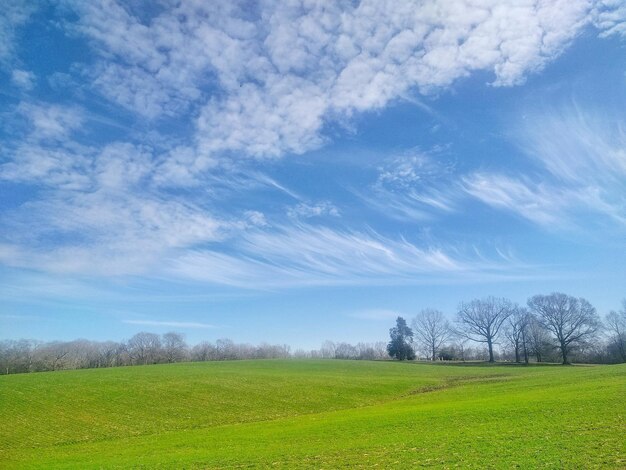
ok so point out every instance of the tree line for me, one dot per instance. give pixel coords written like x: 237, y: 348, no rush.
x: 18, y: 356
x: 553, y: 327
x: 550, y: 328
x: 21, y: 356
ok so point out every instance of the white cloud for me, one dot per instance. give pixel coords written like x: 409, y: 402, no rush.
x: 18, y: 317
x: 413, y: 186
x: 170, y: 324
x: 610, y: 17
x: 303, y: 255
x: 44, y: 152
x: 320, y: 209
x: 412, y: 204
x: 580, y: 152
x: 540, y: 203
x: 376, y: 314
x: 256, y: 218
x: 137, y: 90
x: 107, y: 233
x: 14, y: 16
x: 23, y: 79
x: 59, y: 168
x: 577, y: 143
x: 408, y: 170
x: 100, y: 214
x: 51, y: 121
x: 267, y: 81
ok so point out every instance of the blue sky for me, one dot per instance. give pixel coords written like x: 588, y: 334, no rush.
x: 299, y: 171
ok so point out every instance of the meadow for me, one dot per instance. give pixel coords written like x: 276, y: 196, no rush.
x: 315, y: 414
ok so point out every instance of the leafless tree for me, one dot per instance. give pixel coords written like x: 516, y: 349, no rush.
x: 515, y: 330
x: 174, y: 347
x: 571, y: 320
x: 53, y: 355
x: 481, y: 319
x: 616, y: 327
x: 225, y: 349
x: 203, y: 351
x: 346, y: 351
x: 107, y: 353
x: 18, y: 356
x: 431, y: 330
x: 144, y: 348
x: 460, y: 346
x: 539, y: 341
x: 372, y: 351
x: 301, y: 354
x: 328, y: 350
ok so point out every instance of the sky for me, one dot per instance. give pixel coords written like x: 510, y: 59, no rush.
x: 296, y: 171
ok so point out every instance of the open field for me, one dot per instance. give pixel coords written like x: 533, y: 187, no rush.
x: 323, y: 414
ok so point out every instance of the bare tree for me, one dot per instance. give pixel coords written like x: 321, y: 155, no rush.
x: 460, y: 345
x: 571, y: 320
x: 107, y: 352
x: 616, y: 327
x: 203, y: 351
x: 431, y: 330
x: 372, y: 351
x: 515, y: 331
x: 539, y: 341
x: 144, y: 348
x: 18, y: 356
x: 52, y: 356
x: 328, y: 349
x: 346, y: 351
x: 481, y: 319
x: 174, y: 347
x: 225, y: 349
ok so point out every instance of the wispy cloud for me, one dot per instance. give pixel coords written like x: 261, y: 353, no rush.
x: 14, y: 15
x: 51, y: 121
x: 581, y: 170
x: 413, y: 187
x: 23, y: 79
x: 169, y: 324
x: 101, y: 233
x: 319, y: 209
x: 18, y: 317
x: 544, y: 205
x: 376, y: 314
x: 305, y: 255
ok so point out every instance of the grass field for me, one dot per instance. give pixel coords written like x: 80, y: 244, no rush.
x: 318, y: 414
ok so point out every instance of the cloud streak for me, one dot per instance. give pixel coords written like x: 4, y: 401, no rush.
x: 307, y: 255
x: 579, y: 153
x: 170, y: 324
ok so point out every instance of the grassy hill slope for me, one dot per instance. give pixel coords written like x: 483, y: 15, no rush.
x: 315, y: 414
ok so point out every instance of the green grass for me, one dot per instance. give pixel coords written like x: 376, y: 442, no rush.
x: 319, y: 414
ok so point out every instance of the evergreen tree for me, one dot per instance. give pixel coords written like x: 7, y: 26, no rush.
x: 401, y: 337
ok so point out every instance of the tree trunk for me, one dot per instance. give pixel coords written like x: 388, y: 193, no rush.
x: 564, y: 353
x: 621, y: 349
x: 517, y: 353
x: 490, y: 350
